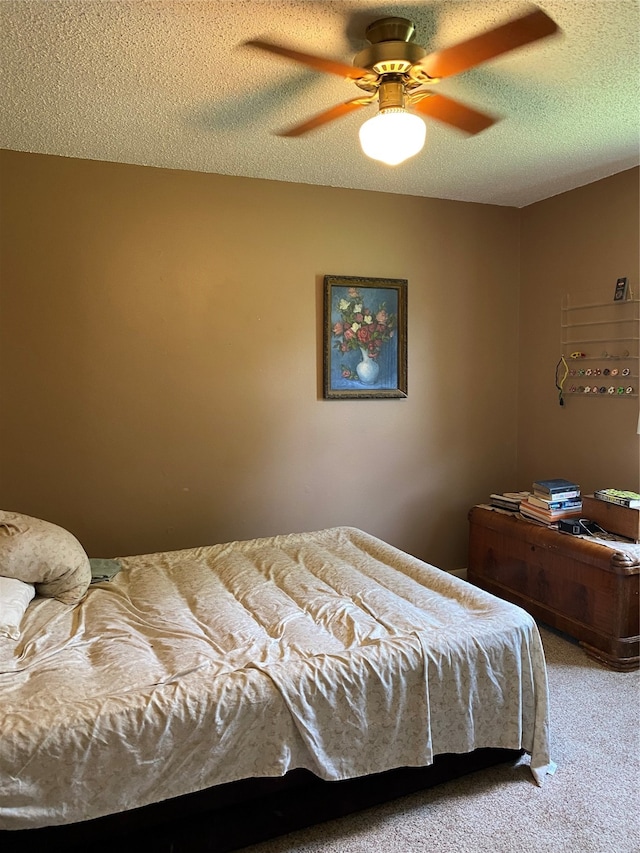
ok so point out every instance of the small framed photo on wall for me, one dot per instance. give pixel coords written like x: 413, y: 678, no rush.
x: 622, y: 290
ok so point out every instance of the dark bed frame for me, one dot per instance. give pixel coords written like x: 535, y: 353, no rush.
x: 232, y: 816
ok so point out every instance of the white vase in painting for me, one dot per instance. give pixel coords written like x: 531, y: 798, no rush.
x: 367, y: 369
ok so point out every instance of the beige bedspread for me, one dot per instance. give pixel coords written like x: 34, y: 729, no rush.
x: 331, y: 651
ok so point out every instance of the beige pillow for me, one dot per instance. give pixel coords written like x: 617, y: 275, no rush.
x: 43, y: 554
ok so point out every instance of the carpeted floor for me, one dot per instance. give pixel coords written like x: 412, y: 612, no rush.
x: 591, y: 804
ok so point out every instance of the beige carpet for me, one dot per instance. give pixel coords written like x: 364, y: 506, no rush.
x: 591, y: 805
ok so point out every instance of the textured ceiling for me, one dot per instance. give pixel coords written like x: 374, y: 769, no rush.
x: 167, y: 83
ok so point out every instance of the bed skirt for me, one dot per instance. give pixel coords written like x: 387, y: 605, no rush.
x: 234, y: 815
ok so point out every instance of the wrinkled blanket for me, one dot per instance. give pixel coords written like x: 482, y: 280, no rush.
x: 331, y: 651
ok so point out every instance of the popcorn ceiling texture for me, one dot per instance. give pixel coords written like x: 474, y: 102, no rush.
x: 167, y: 83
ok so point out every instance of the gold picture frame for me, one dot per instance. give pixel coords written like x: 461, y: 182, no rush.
x: 365, y: 338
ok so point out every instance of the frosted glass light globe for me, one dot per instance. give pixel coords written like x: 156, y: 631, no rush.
x: 392, y: 136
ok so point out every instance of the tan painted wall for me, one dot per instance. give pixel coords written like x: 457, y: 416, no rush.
x: 578, y: 244
x: 161, y: 356
x: 161, y: 359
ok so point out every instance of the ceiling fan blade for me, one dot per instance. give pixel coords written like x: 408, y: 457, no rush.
x: 453, y: 113
x: 325, y: 117
x: 467, y: 54
x: 320, y: 63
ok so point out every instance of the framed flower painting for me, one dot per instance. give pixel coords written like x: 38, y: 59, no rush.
x: 365, y: 337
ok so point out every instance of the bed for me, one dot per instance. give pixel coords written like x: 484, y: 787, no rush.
x: 331, y: 654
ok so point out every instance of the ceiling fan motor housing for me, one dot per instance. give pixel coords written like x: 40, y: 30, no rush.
x: 390, y: 29
x: 391, y: 50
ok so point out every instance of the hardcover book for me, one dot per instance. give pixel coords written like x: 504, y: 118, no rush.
x: 551, y: 504
x: 555, y: 486
x: 621, y: 497
x: 574, y: 494
x: 547, y: 516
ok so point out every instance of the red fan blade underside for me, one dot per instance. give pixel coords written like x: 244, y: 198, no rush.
x: 320, y: 63
x: 325, y: 117
x: 454, y: 113
x: 467, y: 54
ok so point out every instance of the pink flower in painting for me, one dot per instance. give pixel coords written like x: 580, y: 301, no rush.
x: 338, y: 329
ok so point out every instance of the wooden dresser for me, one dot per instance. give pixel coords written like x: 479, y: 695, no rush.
x: 585, y: 589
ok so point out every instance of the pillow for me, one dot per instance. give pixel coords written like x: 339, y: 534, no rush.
x: 14, y: 600
x: 41, y: 553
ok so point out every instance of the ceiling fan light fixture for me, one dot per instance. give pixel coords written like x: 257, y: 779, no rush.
x: 392, y: 136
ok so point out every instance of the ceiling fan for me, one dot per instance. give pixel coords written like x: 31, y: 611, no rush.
x: 394, y: 71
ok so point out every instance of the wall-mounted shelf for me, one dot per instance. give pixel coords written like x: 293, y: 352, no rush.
x: 600, y: 343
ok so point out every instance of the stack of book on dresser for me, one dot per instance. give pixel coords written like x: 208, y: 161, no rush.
x: 552, y: 500
x: 509, y: 501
